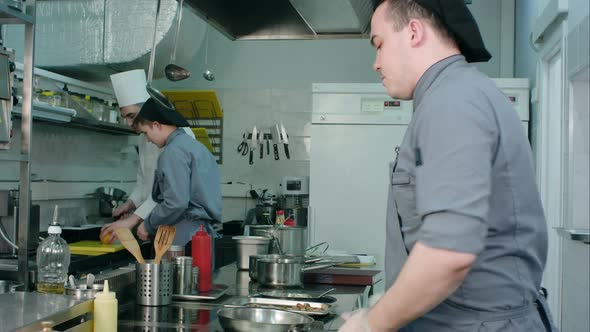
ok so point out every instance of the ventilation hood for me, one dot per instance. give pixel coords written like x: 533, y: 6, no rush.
x: 92, y: 39
x: 287, y: 19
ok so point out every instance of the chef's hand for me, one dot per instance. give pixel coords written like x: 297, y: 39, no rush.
x: 356, y: 321
x: 142, y: 232
x: 107, y: 232
x: 123, y: 208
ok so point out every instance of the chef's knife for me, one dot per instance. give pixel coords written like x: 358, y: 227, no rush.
x: 253, y: 145
x: 285, y: 140
x: 261, y: 140
x: 276, y: 139
x: 267, y: 137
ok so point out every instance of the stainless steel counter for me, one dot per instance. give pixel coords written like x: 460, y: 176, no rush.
x: 201, y: 316
x: 24, y: 311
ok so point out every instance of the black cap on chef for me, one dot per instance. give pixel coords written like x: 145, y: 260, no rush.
x: 458, y: 20
x: 153, y: 111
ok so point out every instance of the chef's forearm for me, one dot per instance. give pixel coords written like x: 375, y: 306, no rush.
x: 428, y: 277
x: 165, y: 213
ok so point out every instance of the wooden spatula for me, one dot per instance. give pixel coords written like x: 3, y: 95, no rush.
x: 163, y: 241
x: 130, y: 243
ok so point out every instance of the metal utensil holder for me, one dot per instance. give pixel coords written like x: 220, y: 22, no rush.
x: 154, y: 283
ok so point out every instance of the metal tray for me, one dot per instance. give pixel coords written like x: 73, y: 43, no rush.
x: 289, y: 305
x: 216, y: 292
x: 296, y: 296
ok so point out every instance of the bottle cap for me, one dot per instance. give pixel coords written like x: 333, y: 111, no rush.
x: 54, y: 229
x: 105, y: 294
x: 201, y: 232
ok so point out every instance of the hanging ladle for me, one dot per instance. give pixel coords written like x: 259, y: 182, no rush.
x: 174, y: 72
x: 154, y: 93
x: 207, y: 74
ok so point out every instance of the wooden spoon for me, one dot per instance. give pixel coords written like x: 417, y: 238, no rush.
x: 130, y: 243
x: 163, y: 241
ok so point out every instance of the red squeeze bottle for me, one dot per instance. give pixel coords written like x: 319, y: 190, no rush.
x: 201, y: 250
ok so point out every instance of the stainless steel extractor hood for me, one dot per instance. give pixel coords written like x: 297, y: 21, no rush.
x: 287, y: 19
x: 91, y: 39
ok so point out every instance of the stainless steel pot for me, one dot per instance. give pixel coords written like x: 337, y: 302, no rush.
x: 287, y: 240
x: 262, y: 320
x: 284, y: 272
x: 248, y: 246
x: 275, y: 257
x: 292, y: 240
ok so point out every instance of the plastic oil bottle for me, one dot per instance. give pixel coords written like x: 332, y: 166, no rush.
x: 105, y: 310
x: 53, y: 260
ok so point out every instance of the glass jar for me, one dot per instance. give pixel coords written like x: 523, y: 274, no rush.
x: 88, y: 105
x: 98, y: 109
x: 51, y: 98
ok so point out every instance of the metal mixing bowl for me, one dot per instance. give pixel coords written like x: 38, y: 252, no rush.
x: 262, y: 320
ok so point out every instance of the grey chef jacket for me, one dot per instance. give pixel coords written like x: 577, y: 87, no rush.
x: 463, y: 180
x: 187, y: 188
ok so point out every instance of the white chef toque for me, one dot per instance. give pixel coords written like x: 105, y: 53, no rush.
x: 129, y: 87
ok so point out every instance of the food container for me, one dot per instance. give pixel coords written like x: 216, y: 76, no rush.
x: 299, y: 296
x: 155, y: 283
x: 262, y: 320
x: 195, y: 280
x: 84, y: 293
x: 175, y: 251
x: 7, y: 286
x: 305, y: 307
x: 250, y: 245
x: 182, y: 274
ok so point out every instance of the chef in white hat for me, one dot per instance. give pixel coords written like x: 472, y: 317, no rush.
x: 130, y: 91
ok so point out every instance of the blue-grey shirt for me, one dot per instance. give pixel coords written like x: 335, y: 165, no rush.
x: 187, y: 188
x: 463, y: 181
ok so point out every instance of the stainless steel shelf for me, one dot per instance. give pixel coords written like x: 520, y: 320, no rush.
x: 582, y: 235
x: 99, y: 126
x: 48, y: 115
x: 9, y: 15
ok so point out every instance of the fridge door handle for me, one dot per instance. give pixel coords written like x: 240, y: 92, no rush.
x: 310, y: 224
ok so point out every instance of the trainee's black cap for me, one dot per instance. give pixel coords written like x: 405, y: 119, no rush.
x: 153, y: 111
x: 458, y: 20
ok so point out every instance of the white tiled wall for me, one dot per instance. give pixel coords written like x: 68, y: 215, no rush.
x: 67, y: 164
x: 263, y: 108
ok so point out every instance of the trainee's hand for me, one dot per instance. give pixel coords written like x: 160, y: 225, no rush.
x: 142, y: 232
x: 123, y: 209
x: 107, y: 232
x: 356, y: 321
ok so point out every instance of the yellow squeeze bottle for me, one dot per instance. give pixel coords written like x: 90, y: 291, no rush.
x: 105, y: 310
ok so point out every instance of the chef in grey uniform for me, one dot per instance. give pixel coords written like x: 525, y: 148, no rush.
x: 187, y: 185
x: 463, y: 203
